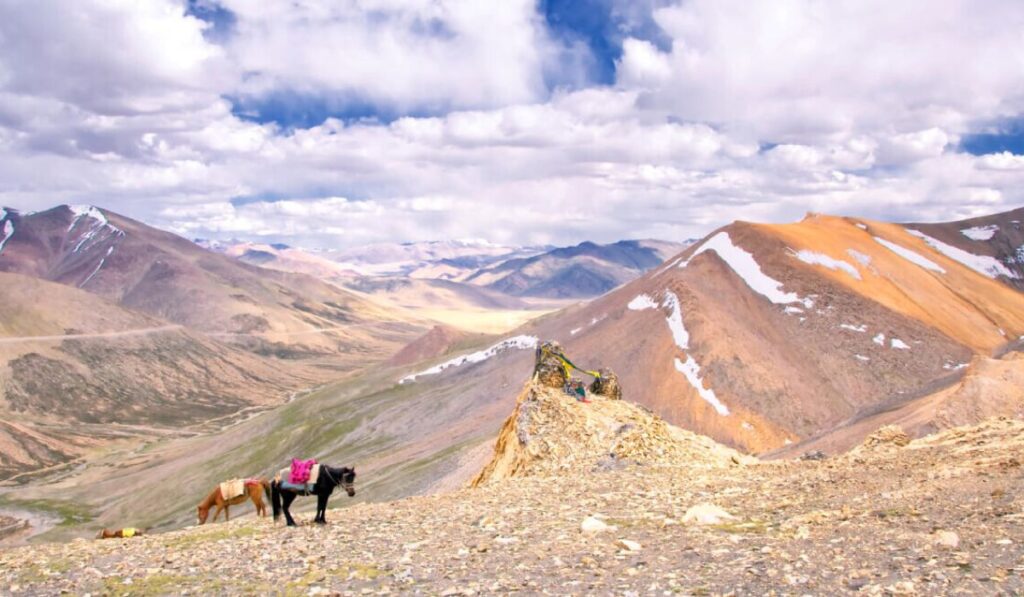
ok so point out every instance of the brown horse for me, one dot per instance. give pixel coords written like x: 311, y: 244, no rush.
x: 254, y: 490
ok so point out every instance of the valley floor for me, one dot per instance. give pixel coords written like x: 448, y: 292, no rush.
x: 942, y: 515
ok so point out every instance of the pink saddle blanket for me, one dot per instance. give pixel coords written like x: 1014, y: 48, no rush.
x: 301, y: 470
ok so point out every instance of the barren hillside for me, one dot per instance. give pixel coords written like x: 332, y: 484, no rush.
x: 762, y: 335
x: 78, y: 372
x: 169, y: 277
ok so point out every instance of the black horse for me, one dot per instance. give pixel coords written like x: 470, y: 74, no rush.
x: 330, y: 477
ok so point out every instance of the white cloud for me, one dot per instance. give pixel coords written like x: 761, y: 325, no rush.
x: 863, y: 106
x: 405, y: 55
x: 642, y: 65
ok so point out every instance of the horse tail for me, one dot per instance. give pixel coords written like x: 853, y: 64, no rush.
x: 275, y: 498
x: 266, y: 488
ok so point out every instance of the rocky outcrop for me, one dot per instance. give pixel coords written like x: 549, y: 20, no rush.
x: 551, y: 432
x: 888, y: 436
x: 607, y: 385
x: 549, y: 370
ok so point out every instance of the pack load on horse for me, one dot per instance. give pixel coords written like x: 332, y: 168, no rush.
x: 232, y: 492
x: 125, y: 533
x: 307, y: 477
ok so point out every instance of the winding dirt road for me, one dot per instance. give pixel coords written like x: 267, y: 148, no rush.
x: 60, y: 337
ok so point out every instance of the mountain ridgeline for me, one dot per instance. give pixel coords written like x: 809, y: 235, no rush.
x: 583, y: 271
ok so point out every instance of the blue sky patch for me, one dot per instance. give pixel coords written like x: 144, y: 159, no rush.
x: 1008, y: 136
x: 292, y: 110
x: 221, y: 20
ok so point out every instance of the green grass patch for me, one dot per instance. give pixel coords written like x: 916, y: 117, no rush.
x: 350, y: 572
x: 753, y: 527
x: 41, y: 572
x: 70, y: 513
x: 169, y: 584
x: 193, y: 538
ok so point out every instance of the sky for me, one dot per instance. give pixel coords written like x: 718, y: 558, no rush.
x: 333, y: 123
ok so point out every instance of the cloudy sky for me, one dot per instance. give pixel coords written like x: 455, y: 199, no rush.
x: 342, y: 122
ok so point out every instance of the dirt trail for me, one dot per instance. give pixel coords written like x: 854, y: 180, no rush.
x: 60, y: 337
x: 7, y: 340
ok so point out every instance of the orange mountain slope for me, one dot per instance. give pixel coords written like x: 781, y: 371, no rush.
x: 761, y: 335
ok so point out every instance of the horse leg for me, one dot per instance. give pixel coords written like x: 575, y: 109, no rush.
x: 321, y: 508
x: 257, y: 503
x: 287, y: 499
x: 220, y: 506
x: 227, y: 512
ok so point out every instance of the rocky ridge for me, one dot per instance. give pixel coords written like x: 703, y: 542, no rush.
x: 550, y: 433
x: 554, y: 514
x: 940, y: 515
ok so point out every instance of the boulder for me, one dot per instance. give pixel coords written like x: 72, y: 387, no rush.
x: 548, y: 367
x: 607, y: 385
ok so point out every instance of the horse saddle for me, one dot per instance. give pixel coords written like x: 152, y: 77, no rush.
x: 304, y: 488
x: 229, y: 490
x: 302, y: 471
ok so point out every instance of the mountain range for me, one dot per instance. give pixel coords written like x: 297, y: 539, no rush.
x: 771, y: 339
x: 112, y: 330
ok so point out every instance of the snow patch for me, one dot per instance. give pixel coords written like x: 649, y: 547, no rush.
x: 3, y: 214
x: 87, y: 211
x: 855, y: 328
x: 675, y: 320
x: 668, y: 267
x: 593, y: 321
x: 983, y: 264
x: 96, y: 271
x: 691, y: 370
x: 980, y: 232
x: 100, y: 223
x: 910, y: 256
x: 8, y: 233
x: 861, y: 226
x: 879, y: 339
x: 517, y: 343
x: 954, y: 367
x: 861, y: 258
x: 642, y: 302
x: 897, y: 343
x: 746, y: 267
x: 861, y: 357
x: 814, y: 258
x: 792, y: 310
x: 746, y: 425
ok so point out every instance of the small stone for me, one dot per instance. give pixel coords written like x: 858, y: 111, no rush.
x: 591, y: 524
x: 627, y: 545
x: 904, y: 587
x: 706, y: 514
x: 947, y: 539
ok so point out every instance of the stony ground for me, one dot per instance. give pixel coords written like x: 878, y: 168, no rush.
x: 940, y: 516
